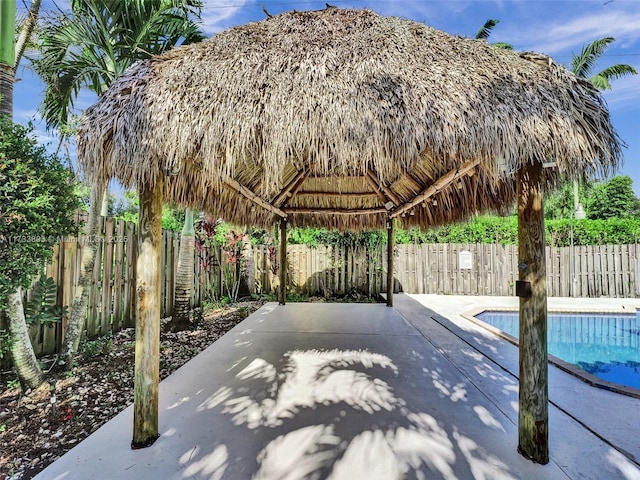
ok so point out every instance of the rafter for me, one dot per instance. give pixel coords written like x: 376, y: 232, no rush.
x: 376, y: 189
x: 387, y: 191
x: 245, y: 192
x: 466, y: 169
x: 285, y: 192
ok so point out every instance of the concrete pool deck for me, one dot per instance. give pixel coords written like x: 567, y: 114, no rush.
x: 351, y: 391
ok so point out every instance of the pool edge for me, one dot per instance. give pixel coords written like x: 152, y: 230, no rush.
x: 586, y: 377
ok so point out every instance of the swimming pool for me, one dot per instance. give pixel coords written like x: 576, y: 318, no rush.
x: 604, y: 345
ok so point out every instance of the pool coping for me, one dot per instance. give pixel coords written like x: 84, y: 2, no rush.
x: 577, y: 372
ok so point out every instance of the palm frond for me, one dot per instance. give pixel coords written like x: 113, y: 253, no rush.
x: 613, y: 73
x: 95, y: 42
x: 486, y: 29
x: 582, y: 64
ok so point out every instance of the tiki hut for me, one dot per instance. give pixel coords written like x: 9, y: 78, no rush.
x: 349, y: 120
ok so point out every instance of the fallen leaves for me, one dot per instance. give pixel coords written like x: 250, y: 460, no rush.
x: 33, y: 434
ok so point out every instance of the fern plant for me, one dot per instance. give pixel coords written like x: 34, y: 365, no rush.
x: 42, y: 308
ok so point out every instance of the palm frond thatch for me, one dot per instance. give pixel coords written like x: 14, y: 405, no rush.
x: 328, y: 116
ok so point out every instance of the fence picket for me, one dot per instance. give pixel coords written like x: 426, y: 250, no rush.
x: 434, y: 268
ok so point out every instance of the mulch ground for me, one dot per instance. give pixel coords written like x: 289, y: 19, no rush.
x: 33, y: 433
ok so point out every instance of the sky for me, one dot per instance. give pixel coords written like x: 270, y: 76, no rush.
x: 555, y: 28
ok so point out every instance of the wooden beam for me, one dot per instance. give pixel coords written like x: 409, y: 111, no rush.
x: 333, y: 211
x: 533, y: 414
x: 337, y: 194
x: 442, y: 182
x: 296, y: 187
x: 283, y: 261
x: 376, y: 189
x: 390, y: 246
x: 284, y: 193
x: 147, y: 359
x: 387, y: 191
x: 245, y: 192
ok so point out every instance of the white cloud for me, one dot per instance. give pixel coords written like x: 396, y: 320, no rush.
x: 573, y: 34
x: 215, y: 12
x: 625, y: 93
x: 25, y: 115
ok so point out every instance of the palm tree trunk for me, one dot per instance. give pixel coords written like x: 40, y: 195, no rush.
x: 73, y: 334
x: 184, y: 276
x: 6, y: 90
x: 7, y: 54
x: 26, y: 30
x: 24, y: 359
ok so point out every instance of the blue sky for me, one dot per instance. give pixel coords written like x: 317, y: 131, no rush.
x: 556, y: 28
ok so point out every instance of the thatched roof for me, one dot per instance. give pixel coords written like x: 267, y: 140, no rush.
x: 326, y: 116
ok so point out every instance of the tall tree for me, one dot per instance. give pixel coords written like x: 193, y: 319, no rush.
x: 184, y: 276
x: 12, y: 280
x: 614, y: 198
x: 7, y: 56
x: 582, y: 65
x: 38, y: 204
x: 89, y: 47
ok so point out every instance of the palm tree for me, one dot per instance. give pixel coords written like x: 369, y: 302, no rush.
x: 582, y: 65
x: 7, y: 70
x: 89, y: 47
x: 23, y: 356
x: 184, y: 276
x: 485, y: 31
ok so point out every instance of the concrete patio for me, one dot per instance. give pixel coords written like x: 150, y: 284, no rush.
x: 363, y: 391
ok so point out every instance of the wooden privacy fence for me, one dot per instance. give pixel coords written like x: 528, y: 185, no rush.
x: 465, y: 269
x: 581, y: 271
x: 112, y: 294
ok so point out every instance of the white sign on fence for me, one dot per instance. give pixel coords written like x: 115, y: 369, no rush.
x: 465, y: 260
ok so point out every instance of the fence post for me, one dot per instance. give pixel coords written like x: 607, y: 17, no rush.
x: 390, y: 262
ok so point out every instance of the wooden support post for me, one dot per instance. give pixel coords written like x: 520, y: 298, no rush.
x: 283, y: 261
x: 533, y: 416
x: 147, y: 362
x: 390, y: 262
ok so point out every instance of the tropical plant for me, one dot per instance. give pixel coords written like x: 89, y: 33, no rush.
x: 184, y: 276
x: 97, y: 40
x: 42, y: 309
x: 89, y: 47
x: 485, y: 32
x: 584, y: 63
x: 613, y: 199
x: 7, y: 56
x: 37, y: 208
x: 127, y: 209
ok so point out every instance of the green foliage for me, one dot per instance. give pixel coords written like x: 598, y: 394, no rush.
x: 13, y: 383
x: 95, y: 348
x: 37, y: 208
x: 313, y: 237
x: 559, y: 204
x: 614, y: 198
x: 584, y: 63
x: 485, y: 32
x: 97, y: 40
x: 6, y: 341
x: 490, y: 229
x: 42, y: 308
x: 128, y: 207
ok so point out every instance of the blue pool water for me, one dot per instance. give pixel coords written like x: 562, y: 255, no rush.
x: 605, y: 345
